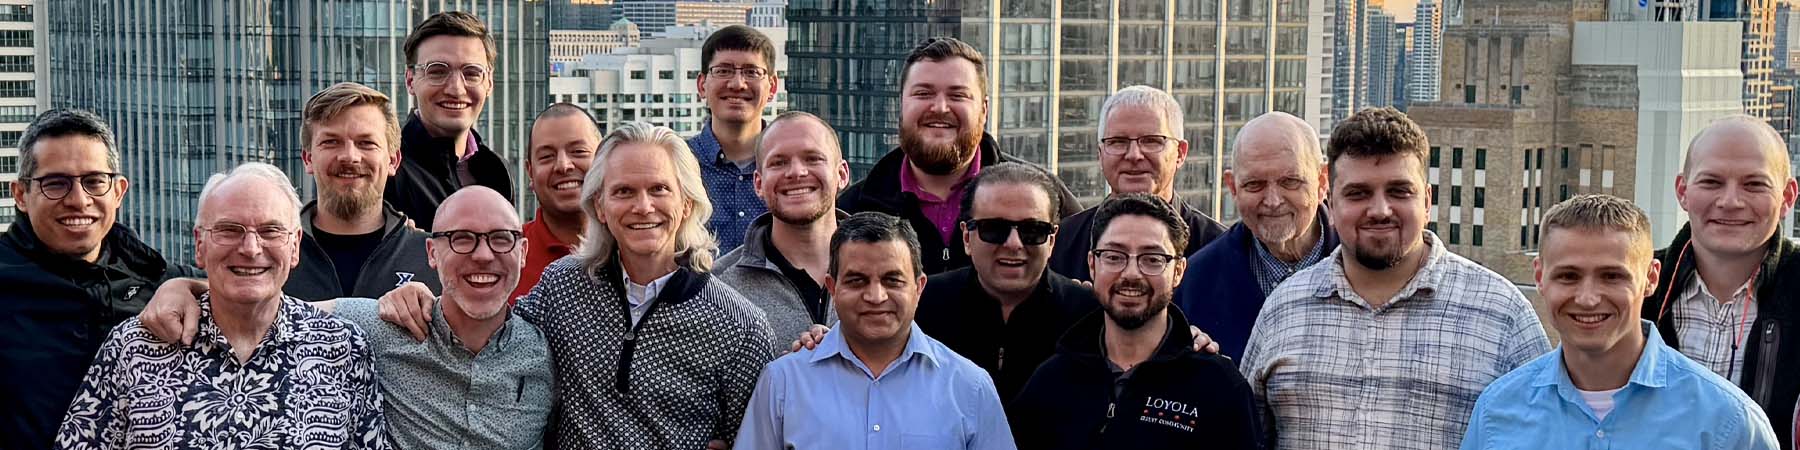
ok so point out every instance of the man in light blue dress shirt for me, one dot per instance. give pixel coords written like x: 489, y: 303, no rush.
x: 1613, y: 383
x: 878, y: 382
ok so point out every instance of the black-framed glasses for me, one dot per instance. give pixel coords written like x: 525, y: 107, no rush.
x: 1148, y: 264
x: 751, y: 73
x: 996, y: 231
x: 232, y: 234
x: 463, y: 241
x: 56, y: 187
x: 438, y: 73
x: 1149, y: 143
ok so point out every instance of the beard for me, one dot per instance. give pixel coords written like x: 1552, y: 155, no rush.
x: 939, y: 158
x: 1129, y: 320
x: 797, y: 216
x: 350, y: 202
x: 1278, y: 225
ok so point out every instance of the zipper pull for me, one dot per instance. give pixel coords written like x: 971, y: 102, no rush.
x: 946, y: 253
x: 1109, y: 410
x: 1000, y: 362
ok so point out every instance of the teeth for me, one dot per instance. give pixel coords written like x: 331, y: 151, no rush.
x: 642, y: 226
x: 568, y: 185
x: 799, y: 191
x: 1589, y: 318
x: 1129, y: 292
x: 248, y: 272
x: 77, y: 221
x: 453, y: 105
x: 482, y: 278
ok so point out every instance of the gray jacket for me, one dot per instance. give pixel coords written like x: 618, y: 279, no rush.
x: 748, y: 270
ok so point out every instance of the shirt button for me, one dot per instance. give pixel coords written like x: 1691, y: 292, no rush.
x: 740, y: 214
x: 877, y: 428
x: 1600, y: 434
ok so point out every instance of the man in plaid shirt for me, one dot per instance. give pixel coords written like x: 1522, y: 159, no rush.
x: 1388, y: 342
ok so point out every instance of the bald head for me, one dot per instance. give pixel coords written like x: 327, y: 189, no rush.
x: 1740, y: 131
x: 471, y: 204
x: 1279, y: 133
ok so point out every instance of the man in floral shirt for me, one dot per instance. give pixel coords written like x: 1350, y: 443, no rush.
x: 266, y: 371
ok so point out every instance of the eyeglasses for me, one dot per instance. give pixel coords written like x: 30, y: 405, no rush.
x: 463, y: 241
x: 996, y: 231
x: 232, y: 235
x: 1149, y: 144
x: 56, y: 187
x: 1148, y: 263
x: 726, y: 72
x: 439, y: 73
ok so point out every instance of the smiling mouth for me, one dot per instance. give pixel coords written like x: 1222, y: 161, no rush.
x: 454, y: 106
x: 800, y: 191
x: 568, y: 185
x: 643, y: 226
x: 1731, y: 223
x: 248, y: 271
x: 77, y: 221
x: 940, y: 125
x: 1589, y: 319
x: 481, y: 280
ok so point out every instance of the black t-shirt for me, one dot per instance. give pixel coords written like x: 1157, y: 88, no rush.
x: 811, y: 294
x: 348, y: 253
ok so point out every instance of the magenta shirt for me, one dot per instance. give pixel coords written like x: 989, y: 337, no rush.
x: 941, y: 212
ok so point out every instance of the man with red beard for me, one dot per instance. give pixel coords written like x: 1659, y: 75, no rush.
x: 943, y: 112
x: 355, y: 244
x: 1388, y: 342
x: 563, y: 140
x: 781, y: 266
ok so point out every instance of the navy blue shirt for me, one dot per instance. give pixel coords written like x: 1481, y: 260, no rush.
x: 731, y: 188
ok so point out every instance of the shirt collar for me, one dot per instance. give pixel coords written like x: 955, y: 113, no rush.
x: 538, y: 232
x: 834, y: 345
x: 1423, y: 285
x: 910, y: 183
x: 650, y: 290
x: 1312, y: 256
x: 1698, y: 292
x: 440, y: 330
x: 1652, y: 369
x: 208, y: 330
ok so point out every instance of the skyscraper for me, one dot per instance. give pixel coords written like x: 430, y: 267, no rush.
x: 1350, y: 67
x: 1425, y: 63
x: 193, y: 87
x: 19, y: 89
x: 1385, y: 47
x: 1050, y: 67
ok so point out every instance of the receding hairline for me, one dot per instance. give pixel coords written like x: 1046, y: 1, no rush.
x: 1773, y: 147
x: 472, y: 197
x: 1280, y: 124
x: 829, y: 136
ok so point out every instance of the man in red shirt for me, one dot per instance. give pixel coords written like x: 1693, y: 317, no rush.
x: 563, y: 141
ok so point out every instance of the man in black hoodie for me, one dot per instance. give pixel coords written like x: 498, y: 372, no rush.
x: 1125, y: 377
x: 1729, y: 286
x: 449, y: 72
x: 71, y: 273
x: 943, y: 110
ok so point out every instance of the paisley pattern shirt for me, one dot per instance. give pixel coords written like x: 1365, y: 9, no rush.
x: 309, y: 384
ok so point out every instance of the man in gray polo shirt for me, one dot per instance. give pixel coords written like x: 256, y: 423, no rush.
x: 482, y: 380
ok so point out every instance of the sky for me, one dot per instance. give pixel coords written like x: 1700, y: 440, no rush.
x: 1402, y: 9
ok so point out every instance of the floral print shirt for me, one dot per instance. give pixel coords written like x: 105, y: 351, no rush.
x: 309, y: 384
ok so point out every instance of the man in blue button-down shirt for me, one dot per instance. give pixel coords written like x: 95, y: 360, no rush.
x: 878, y: 383
x: 738, y: 81
x: 1613, y: 383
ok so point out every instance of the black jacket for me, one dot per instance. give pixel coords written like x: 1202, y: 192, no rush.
x: 956, y: 311
x: 1771, y: 372
x: 54, y: 314
x: 880, y: 191
x: 428, y: 172
x: 1074, y: 238
x: 1178, y: 399
x: 400, y: 258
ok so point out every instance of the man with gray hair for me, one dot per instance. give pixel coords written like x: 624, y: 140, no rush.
x: 1141, y: 149
x: 71, y: 272
x: 1729, y: 292
x: 266, y: 371
x: 1279, y: 179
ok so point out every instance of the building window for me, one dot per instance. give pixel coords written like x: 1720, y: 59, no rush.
x: 21, y: 114
x: 1475, y: 235
x: 15, y: 38
x: 1524, y: 235
x: 637, y: 74
x: 19, y: 63
x: 1517, y: 96
x: 1480, y: 197
x: 1434, y: 157
x: 1537, y: 195
x: 10, y: 138
x: 1540, y: 159
x: 9, y: 164
x: 1455, y: 234
x: 1527, y: 159
x: 18, y: 89
x: 693, y: 75
x: 1432, y: 226
x: 1456, y: 157
x: 585, y: 98
x: 1456, y: 196
x: 1469, y: 94
x: 1481, y: 159
x: 665, y: 75
x: 1564, y: 193
x: 1565, y: 157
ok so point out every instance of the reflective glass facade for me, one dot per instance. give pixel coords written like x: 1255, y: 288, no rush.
x: 193, y: 87
x: 1051, y: 65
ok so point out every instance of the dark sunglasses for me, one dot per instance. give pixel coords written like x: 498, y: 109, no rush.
x: 996, y: 231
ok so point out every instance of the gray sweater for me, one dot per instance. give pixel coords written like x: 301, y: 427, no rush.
x: 748, y: 270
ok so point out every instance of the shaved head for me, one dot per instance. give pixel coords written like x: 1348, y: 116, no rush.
x: 1740, y: 129
x: 472, y: 202
x: 1279, y: 131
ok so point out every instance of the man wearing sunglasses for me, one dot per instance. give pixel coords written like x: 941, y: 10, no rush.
x: 70, y: 272
x: 1141, y: 150
x: 1005, y: 311
x: 450, y: 60
x: 500, y: 362
x: 1126, y: 377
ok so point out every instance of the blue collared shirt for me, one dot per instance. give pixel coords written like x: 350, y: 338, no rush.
x: 731, y: 188
x: 1670, y: 402
x: 1271, y: 271
x: 927, y: 399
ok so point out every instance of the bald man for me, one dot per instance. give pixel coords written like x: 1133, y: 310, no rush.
x: 1730, y: 286
x: 498, y: 364
x: 1278, y: 178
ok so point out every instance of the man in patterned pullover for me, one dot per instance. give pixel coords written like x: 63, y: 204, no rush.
x: 652, y: 350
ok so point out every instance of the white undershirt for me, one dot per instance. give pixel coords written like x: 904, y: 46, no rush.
x: 1600, y: 401
x: 640, y: 295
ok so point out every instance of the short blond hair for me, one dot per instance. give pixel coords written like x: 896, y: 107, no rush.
x: 1603, y: 213
x: 333, y: 101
